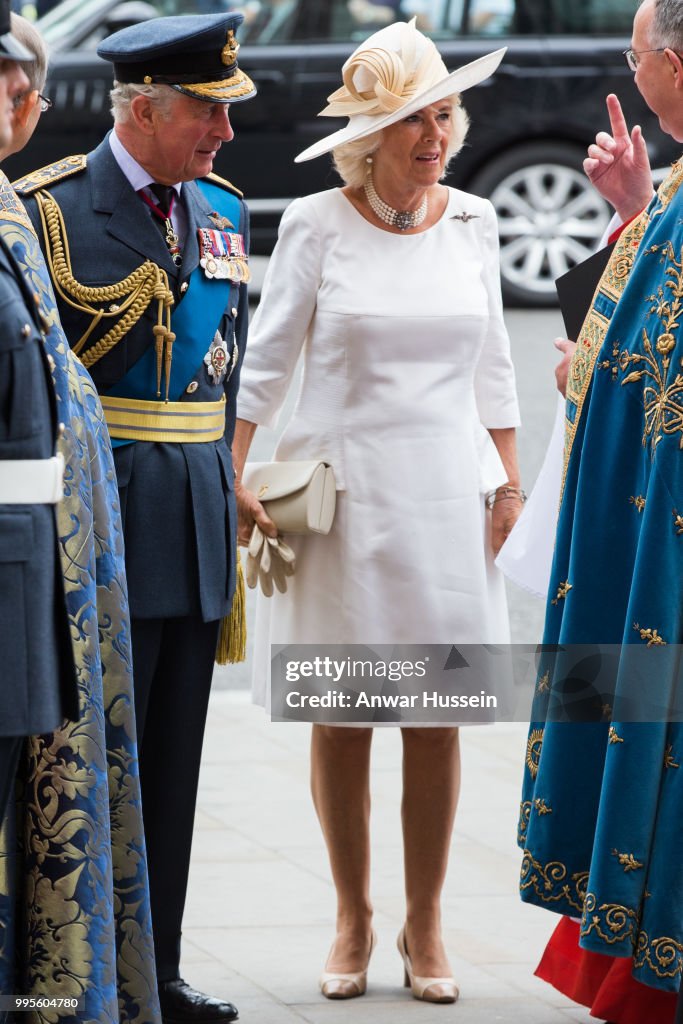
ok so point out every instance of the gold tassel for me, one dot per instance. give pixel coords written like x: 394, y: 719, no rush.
x: 232, y: 638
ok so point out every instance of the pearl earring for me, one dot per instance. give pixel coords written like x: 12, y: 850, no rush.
x: 368, y: 159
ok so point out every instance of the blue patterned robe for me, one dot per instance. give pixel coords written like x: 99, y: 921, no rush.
x: 74, y: 902
x: 601, y: 821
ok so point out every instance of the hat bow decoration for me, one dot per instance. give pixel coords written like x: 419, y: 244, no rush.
x: 381, y: 81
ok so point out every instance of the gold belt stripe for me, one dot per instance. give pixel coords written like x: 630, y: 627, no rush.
x: 131, y: 419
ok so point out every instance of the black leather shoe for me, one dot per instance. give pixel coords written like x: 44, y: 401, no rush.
x: 182, y: 1004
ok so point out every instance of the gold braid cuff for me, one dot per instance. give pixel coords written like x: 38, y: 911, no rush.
x: 128, y: 299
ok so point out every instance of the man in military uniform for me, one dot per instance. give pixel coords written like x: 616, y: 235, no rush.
x: 38, y: 685
x: 150, y: 269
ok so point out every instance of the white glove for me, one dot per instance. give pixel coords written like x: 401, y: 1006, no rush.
x: 269, y: 560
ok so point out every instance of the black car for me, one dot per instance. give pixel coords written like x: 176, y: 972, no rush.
x: 531, y: 122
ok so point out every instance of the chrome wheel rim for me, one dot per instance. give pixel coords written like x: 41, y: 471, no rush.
x: 549, y: 219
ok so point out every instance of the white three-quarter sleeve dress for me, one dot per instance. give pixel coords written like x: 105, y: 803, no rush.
x: 406, y: 363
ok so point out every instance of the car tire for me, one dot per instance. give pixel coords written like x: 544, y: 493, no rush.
x: 549, y: 217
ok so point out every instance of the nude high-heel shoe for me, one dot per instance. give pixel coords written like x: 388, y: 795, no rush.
x: 346, y: 986
x: 431, y: 990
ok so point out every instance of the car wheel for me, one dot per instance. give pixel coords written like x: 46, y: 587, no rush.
x: 549, y: 217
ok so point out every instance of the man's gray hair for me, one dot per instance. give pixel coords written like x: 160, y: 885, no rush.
x: 30, y: 37
x: 124, y: 93
x: 667, y: 25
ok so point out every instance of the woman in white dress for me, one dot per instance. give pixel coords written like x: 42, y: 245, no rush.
x: 390, y: 288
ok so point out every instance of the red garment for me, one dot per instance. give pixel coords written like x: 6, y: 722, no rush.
x: 602, y: 983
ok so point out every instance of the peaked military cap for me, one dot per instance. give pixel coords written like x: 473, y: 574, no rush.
x: 10, y: 47
x: 194, y: 53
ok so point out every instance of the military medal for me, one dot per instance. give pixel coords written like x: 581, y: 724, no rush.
x: 173, y: 242
x: 222, y: 255
x: 216, y: 359
x: 170, y: 236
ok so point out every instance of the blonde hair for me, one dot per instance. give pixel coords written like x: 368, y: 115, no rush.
x: 29, y: 36
x: 350, y: 159
x: 123, y: 93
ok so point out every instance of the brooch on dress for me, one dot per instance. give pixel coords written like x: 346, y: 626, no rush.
x: 464, y: 217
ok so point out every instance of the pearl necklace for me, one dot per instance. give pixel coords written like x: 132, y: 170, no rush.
x: 401, y: 219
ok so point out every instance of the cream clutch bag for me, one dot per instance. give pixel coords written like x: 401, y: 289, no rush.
x: 300, y: 497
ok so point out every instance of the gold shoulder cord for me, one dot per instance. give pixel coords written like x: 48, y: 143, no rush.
x: 137, y: 291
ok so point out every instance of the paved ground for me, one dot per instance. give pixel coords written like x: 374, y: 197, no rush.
x: 261, y: 907
x: 260, y: 913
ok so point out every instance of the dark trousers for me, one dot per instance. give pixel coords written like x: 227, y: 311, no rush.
x: 172, y: 669
x: 10, y: 748
x: 679, y: 1007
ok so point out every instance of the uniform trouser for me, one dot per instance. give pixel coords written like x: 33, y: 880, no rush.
x: 172, y: 667
x: 10, y: 748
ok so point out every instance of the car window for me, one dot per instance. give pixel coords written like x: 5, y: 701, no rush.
x: 274, y: 21
x: 82, y: 24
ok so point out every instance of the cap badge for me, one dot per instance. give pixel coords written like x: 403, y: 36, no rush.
x: 230, y: 50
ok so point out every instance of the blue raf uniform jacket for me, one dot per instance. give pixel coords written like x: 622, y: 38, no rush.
x: 37, y: 678
x: 177, y: 499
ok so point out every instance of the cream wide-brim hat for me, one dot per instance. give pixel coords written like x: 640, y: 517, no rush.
x: 394, y: 73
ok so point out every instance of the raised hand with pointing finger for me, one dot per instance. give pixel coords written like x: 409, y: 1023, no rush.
x: 618, y: 164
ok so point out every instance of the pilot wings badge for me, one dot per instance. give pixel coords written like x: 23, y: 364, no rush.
x: 222, y: 223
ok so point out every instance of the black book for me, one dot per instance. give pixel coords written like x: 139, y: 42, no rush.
x: 576, y: 289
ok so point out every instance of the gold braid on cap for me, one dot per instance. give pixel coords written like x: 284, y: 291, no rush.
x: 394, y: 78
x: 129, y: 299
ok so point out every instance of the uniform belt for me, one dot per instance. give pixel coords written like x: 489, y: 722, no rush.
x: 131, y: 419
x: 31, y: 481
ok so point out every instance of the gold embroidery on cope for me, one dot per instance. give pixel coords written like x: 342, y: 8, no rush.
x: 542, y: 807
x: 678, y: 523
x: 669, y: 758
x: 594, y: 330
x: 533, y: 751
x: 611, y: 921
x: 549, y: 882
x: 651, y: 635
x: 544, y: 683
x: 523, y: 823
x: 562, y: 591
x: 614, y: 736
x: 627, y: 861
x: 662, y: 397
x: 664, y: 955
x: 638, y: 501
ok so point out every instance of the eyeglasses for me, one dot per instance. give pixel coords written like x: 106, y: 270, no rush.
x: 45, y: 103
x: 632, y: 56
